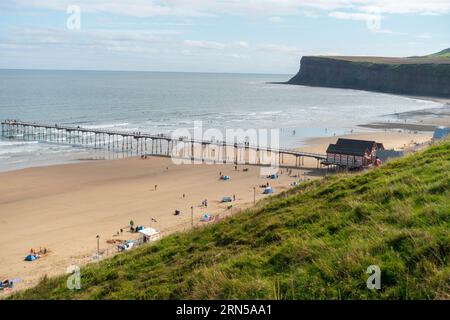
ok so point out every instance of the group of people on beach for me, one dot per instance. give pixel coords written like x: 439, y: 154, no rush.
x: 36, y: 253
x: 6, y: 284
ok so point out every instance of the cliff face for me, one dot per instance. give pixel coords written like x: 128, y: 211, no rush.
x: 414, y: 77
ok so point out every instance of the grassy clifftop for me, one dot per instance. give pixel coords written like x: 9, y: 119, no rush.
x: 419, y: 76
x: 313, y: 242
x: 441, y: 54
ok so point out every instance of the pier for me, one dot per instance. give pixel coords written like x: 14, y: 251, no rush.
x: 142, y: 144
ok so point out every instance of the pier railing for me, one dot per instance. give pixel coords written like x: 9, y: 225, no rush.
x: 144, y: 144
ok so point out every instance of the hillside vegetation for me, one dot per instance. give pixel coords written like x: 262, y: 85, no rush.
x: 312, y: 242
x: 441, y: 54
x: 418, y: 76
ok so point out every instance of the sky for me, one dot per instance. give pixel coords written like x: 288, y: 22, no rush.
x: 243, y: 36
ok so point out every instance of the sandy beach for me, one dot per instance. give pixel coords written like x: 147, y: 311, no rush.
x: 63, y: 207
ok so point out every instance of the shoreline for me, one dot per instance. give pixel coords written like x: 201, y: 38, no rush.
x: 62, y: 207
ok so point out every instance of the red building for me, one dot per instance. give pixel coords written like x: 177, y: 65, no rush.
x: 352, y: 154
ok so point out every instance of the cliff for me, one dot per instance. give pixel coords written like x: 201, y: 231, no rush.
x: 425, y: 76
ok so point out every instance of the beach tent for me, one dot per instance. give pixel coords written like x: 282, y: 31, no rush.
x: 151, y: 233
x: 206, y: 217
x: 125, y: 246
x: 441, y: 133
x: 30, y: 257
x: 226, y: 178
x: 273, y: 176
x: 268, y: 190
x: 226, y: 199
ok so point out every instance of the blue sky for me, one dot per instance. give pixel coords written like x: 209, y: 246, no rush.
x: 256, y: 36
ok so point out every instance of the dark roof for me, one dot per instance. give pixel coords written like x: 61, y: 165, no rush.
x: 380, y: 146
x: 351, y: 147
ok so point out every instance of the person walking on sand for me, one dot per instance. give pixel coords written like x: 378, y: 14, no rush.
x: 156, y: 187
x: 206, y: 203
x: 234, y: 197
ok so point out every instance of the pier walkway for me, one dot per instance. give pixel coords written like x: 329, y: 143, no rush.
x: 142, y: 144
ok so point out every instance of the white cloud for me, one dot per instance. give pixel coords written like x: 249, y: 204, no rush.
x: 241, y: 44
x: 213, y: 45
x: 268, y: 8
x: 275, y: 19
x: 373, y: 21
x: 353, y: 16
x: 204, y: 44
x: 424, y: 35
x: 239, y: 56
x: 140, y: 41
x: 279, y: 48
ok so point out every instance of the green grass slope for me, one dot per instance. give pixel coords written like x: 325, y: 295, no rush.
x: 441, y: 54
x: 313, y: 242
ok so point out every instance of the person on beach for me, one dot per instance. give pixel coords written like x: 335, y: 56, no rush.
x: 206, y: 203
x: 156, y: 187
x: 184, y: 196
x: 234, y: 197
x: 131, y: 225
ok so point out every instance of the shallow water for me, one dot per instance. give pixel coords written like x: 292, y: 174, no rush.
x: 157, y: 102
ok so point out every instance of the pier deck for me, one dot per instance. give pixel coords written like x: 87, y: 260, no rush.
x: 144, y: 144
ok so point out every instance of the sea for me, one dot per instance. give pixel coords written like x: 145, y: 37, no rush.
x: 159, y: 102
